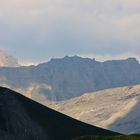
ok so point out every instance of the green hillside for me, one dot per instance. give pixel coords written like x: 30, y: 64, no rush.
x: 109, y: 138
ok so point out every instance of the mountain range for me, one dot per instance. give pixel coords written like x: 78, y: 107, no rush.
x: 69, y: 77
x: 83, y: 88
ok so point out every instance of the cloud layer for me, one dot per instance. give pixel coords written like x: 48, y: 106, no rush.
x: 36, y: 30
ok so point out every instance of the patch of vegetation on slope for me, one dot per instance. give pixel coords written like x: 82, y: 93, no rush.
x: 133, y: 137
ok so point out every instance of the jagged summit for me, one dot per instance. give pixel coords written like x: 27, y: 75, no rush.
x: 133, y: 60
x: 24, y: 119
x: 76, y: 57
x: 71, y: 58
x: 79, y: 59
x: 7, y: 60
x: 127, y: 60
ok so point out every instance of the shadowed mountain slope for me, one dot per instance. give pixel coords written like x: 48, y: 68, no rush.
x: 24, y: 119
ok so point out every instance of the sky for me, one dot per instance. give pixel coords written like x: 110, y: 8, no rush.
x: 37, y: 30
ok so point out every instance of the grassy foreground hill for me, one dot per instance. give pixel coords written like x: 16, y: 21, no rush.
x: 25, y: 119
x: 109, y: 138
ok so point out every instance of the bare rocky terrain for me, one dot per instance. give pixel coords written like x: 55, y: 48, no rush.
x: 116, y: 109
x: 7, y: 60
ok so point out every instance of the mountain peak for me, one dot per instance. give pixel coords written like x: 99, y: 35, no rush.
x: 133, y: 59
x: 72, y: 58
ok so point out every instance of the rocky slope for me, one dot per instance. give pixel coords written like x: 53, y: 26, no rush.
x: 69, y: 77
x: 116, y: 109
x: 7, y: 60
x: 24, y: 119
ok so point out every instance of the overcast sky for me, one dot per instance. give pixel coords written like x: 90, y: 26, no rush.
x: 37, y: 30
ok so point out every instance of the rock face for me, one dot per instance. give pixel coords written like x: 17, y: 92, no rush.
x: 7, y: 60
x: 114, y: 109
x: 24, y: 119
x: 72, y: 76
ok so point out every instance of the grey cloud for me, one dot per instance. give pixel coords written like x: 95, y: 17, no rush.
x: 36, y: 30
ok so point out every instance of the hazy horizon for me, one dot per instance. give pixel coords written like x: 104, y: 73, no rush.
x: 96, y: 57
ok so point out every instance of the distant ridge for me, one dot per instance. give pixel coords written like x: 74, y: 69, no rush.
x: 22, y: 118
x: 70, y: 77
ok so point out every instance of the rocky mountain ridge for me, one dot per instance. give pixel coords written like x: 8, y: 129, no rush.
x: 70, y: 77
